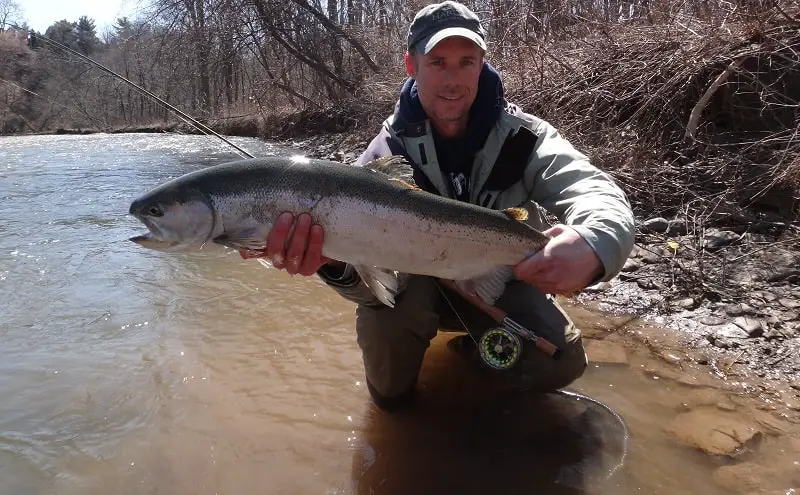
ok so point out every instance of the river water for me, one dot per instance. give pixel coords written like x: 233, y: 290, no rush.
x: 127, y: 371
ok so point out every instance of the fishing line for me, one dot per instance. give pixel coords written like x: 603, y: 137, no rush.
x: 574, y: 395
x: 185, y: 117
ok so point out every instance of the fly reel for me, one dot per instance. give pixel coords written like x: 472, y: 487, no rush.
x: 500, y: 348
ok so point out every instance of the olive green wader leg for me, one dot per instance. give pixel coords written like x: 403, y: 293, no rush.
x: 393, y: 341
x: 536, y: 311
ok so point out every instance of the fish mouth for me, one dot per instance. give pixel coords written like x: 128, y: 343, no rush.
x: 150, y: 241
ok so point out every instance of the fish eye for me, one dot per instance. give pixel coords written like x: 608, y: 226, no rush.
x: 155, y: 211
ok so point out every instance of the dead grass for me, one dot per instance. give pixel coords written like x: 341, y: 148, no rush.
x: 701, y: 119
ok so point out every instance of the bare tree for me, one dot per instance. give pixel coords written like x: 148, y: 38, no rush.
x: 10, y: 13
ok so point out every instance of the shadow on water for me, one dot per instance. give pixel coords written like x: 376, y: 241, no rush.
x: 467, y: 435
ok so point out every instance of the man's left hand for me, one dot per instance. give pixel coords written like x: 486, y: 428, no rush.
x: 567, y: 264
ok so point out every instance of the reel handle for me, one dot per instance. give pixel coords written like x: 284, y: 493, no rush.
x: 547, y: 347
x: 502, y: 318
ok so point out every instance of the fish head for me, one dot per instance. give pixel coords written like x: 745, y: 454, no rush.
x: 177, y: 219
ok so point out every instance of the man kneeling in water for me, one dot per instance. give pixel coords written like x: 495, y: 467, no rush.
x: 466, y: 142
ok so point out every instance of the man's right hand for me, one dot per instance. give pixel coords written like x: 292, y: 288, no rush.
x: 301, y: 253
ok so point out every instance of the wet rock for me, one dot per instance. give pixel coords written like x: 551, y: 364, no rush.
x: 631, y: 265
x: 743, y: 478
x: 650, y: 255
x: 650, y: 284
x: 677, y: 226
x: 655, y: 225
x: 715, y: 239
x: 789, y: 316
x: 789, y: 303
x: 598, y: 287
x: 791, y: 401
x: 712, y: 320
x: 606, y: 352
x: 720, y: 342
x: 714, y: 433
x: 686, y: 303
x: 770, y: 423
x: 731, y: 331
x: 659, y: 371
x: 695, y: 380
x: 704, y: 397
x: 752, y: 326
x: 738, y: 309
x: 790, y: 275
x: 699, y: 357
x: 746, y: 277
x: 726, y: 406
x: 670, y: 357
x: 336, y: 156
x: 770, y: 297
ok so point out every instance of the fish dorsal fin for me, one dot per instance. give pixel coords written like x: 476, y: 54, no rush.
x: 396, y: 168
x: 518, y: 214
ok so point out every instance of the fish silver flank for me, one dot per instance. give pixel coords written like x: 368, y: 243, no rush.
x: 373, y: 218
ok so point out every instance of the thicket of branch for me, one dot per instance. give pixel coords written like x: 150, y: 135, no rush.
x: 693, y: 116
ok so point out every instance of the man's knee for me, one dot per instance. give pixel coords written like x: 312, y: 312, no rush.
x: 545, y: 317
x: 538, y: 312
x: 542, y: 373
x: 393, y: 341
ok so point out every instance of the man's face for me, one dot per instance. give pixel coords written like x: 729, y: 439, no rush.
x: 447, y: 79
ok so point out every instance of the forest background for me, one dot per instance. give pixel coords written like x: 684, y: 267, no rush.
x: 693, y: 105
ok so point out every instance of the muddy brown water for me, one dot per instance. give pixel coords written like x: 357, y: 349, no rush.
x: 125, y: 371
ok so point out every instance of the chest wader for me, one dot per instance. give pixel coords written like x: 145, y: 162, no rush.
x: 510, y: 145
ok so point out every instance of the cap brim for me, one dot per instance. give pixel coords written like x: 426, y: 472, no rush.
x: 428, y: 44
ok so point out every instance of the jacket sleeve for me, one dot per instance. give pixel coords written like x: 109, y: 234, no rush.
x: 345, y: 280
x: 564, y: 182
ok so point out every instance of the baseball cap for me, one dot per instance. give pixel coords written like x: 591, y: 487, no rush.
x: 438, y: 21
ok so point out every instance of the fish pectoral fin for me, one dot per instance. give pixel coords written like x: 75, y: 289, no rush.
x: 249, y: 238
x: 382, y: 283
x: 489, y: 286
x: 518, y: 214
x: 396, y: 168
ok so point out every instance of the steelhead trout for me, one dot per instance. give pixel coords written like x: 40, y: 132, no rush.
x: 373, y: 217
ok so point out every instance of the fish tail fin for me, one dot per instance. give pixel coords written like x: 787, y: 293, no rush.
x: 489, y: 286
x: 382, y: 283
